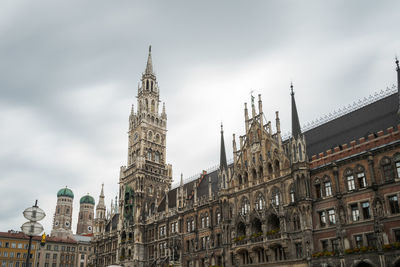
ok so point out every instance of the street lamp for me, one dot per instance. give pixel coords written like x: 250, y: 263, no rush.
x: 32, y: 228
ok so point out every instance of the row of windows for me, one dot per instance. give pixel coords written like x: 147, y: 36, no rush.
x: 63, y: 248
x: 204, y: 220
x: 62, y: 256
x: 15, y: 245
x: 260, y: 201
x: 14, y: 264
x: 13, y: 254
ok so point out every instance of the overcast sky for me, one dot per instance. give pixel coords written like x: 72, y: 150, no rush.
x: 69, y: 72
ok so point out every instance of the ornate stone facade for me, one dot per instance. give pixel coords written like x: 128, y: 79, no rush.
x: 277, y: 204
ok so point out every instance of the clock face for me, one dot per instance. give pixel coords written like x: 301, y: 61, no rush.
x: 56, y: 223
x: 67, y: 223
x: 89, y: 228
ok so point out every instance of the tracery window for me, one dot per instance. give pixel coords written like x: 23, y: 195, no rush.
x: 260, y: 202
x: 275, y: 197
x: 245, y: 206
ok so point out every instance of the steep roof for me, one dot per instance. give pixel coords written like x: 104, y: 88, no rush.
x: 374, y: 117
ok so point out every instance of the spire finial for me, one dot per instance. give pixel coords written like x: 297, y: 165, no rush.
x: 222, y: 163
x: 291, y: 88
x: 222, y: 127
x: 149, y: 66
x: 296, y: 130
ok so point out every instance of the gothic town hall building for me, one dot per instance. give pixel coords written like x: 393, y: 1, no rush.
x: 325, y: 196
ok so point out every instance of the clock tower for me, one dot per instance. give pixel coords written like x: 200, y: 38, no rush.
x: 146, y: 177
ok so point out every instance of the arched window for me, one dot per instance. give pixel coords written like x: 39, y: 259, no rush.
x: 254, y: 174
x: 317, y: 186
x: 360, y: 173
x: 149, y: 154
x: 147, y: 84
x: 270, y: 168
x: 260, y: 172
x: 153, y: 106
x: 300, y: 153
x: 245, y: 206
x: 246, y: 178
x: 218, y: 217
x: 292, y: 193
x: 151, y: 85
x: 387, y: 169
x: 296, y: 222
x: 260, y: 202
x: 327, y: 186
x: 147, y: 105
x: 275, y: 196
x: 294, y: 152
x: 349, y: 180
x: 240, y: 179
x: 277, y: 168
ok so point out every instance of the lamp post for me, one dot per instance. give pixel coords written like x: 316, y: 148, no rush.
x: 32, y: 227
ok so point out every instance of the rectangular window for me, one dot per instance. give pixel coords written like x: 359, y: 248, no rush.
x: 5, y: 254
x: 322, y: 218
x: 358, y: 241
x: 366, y: 210
x: 54, y: 256
x: 350, y: 183
x: 188, y: 226
x: 394, y: 204
x: 355, y: 213
x: 208, y: 221
x: 324, y: 244
x: 48, y: 247
x: 218, y: 218
x: 55, y: 247
x: 47, y: 255
x: 328, y: 188
x: 362, y: 182
x: 332, y: 217
x: 371, y: 240
x: 53, y: 264
x: 19, y: 255
x: 11, y: 254
x: 192, y: 225
x: 202, y: 222
x: 13, y: 245
x: 19, y: 245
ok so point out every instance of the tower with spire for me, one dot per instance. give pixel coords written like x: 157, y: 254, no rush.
x: 147, y: 176
x: 100, y: 219
x: 223, y: 165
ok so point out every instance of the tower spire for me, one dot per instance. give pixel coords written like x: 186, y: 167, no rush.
x: 398, y: 82
x: 296, y: 131
x: 149, y: 66
x: 223, y: 164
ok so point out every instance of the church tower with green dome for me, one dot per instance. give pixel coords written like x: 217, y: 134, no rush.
x: 86, y: 215
x: 63, y: 215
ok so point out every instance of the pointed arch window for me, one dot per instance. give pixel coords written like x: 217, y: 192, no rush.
x: 147, y: 84
x: 300, y: 153
x: 275, y: 197
x: 260, y: 202
x: 294, y: 152
x: 245, y: 206
x: 317, y: 186
x: 292, y: 194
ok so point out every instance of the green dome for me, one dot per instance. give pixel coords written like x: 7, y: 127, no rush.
x: 65, y: 192
x: 87, y: 199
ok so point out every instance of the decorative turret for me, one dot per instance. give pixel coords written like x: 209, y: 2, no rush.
x: 223, y: 165
x: 100, y: 219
